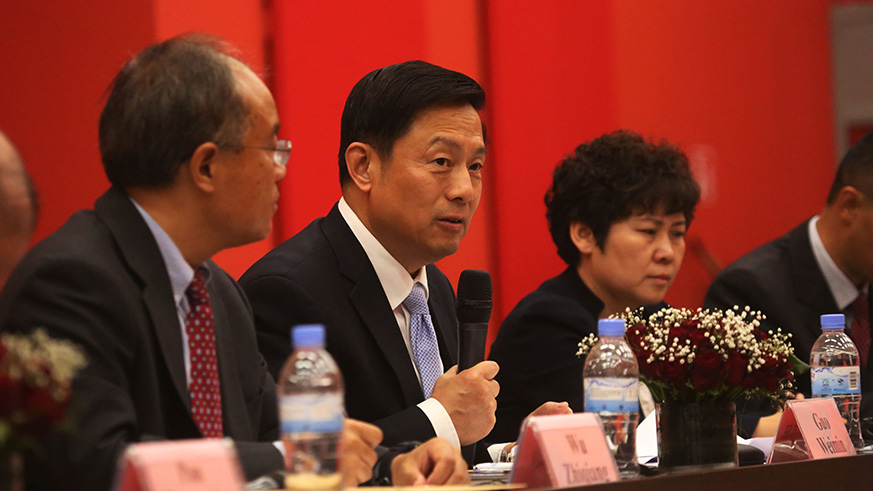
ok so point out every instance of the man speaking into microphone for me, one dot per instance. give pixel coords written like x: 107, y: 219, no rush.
x: 412, y: 152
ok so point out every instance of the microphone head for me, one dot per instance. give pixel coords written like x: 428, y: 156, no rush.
x: 474, y: 296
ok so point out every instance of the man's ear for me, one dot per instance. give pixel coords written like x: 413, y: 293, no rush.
x: 202, y: 166
x: 848, y: 202
x: 362, y: 162
x: 583, y: 238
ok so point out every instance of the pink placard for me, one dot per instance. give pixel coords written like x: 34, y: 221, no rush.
x: 192, y: 465
x: 561, y: 451
x: 811, y: 429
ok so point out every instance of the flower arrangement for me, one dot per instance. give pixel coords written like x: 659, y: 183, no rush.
x: 35, y: 376
x: 709, y: 355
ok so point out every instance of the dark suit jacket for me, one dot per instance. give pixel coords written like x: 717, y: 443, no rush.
x: 322, y: 275
x: 100, y: 281
x: 783, y: 280
x: 536, y: 350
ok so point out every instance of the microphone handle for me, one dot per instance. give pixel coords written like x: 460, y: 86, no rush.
x: 471, y: 343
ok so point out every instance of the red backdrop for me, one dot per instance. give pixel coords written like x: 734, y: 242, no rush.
x: 743, y: 86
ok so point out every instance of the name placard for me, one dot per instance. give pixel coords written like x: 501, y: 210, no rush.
x: 192, y: 465
x: 811, y: 429
x: 561, y: 451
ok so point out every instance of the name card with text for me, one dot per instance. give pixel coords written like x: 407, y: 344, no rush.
x: 561, y: 451
x: 192, y: 465
x: 811, y: 429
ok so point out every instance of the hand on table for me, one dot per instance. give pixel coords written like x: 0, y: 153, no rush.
x: 434, y: 462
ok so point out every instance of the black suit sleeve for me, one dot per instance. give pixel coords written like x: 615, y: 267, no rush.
x: 77, y: 302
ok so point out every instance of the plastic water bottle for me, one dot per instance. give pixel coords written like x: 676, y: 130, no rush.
x: 835, y: 371
x: 311, y: 410
x: 612, y: 380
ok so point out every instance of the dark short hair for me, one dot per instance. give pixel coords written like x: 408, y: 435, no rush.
x: 610, y: 178
x: 383, y: 105
x: 856, y: 169
x: 164, y: 103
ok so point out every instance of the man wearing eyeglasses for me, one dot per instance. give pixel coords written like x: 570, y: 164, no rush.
x: 167, y: 334
x: 188, y: 139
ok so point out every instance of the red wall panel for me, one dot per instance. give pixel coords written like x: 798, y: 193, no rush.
x: 750, y: 82
x: 742, y: 85
x: 552, y: 87
x: 321, y: 50
x: 58, y: 59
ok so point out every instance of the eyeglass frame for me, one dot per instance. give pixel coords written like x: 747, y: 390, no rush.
x: 280, y: 155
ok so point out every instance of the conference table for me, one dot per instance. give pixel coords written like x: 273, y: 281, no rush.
x: 841, y: 473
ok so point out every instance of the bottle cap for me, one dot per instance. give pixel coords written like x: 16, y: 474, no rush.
x: 833, y: 322
x: 308, y: 335
x: 610, y: 327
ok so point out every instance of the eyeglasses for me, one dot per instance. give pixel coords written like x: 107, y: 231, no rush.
x: 281, y: 151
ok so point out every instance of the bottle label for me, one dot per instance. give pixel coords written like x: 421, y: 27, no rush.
x: 311, y: 413
x: 612, y: 394
x: 827, y: 381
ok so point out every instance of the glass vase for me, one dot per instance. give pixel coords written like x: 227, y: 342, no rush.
x: 696, y: 436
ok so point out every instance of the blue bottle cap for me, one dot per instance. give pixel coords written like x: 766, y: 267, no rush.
x: 833, y: 322
x: 613, y: 328
x: 308, y: 335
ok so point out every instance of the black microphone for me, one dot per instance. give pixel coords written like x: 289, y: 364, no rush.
x: 474, y: 310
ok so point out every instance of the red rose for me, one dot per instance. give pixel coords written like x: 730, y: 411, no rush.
x: 10, y: 395
x: 40, y: 401
x: 736, y: 363
x: 680, y: 333
x: 648, y: 370
x: 709, y: 370
x: 708, y: 360
x: 766, y: 380
x: 674, y: 373
x: 699, y: 340
x: 635, y: 336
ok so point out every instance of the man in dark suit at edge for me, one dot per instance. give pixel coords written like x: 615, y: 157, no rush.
x: 189, y: 141
x: 412, y: 151
x: 823, y: 266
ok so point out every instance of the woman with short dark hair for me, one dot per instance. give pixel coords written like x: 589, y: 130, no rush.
x: 618, y: 210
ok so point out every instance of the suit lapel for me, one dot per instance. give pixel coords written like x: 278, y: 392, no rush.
x: 232, y: 401
x: 442, y: 309
x: 368, y: 298
x: 141, y: 253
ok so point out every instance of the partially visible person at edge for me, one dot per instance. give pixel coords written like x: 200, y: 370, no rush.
x: 189, y: 141
x: 18, y: 207
x: 823, y: 266
x: 618, y: 210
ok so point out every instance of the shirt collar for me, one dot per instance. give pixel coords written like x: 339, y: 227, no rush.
x: 180, y: 272
x: 394, y: 278
x: 842, y: 288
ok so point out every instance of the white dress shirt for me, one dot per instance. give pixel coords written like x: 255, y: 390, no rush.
x: 844, y: 291
x: 181, y: 273
x: 397, y: 284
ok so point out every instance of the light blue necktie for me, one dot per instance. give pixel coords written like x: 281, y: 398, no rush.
x: 425, y: 349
